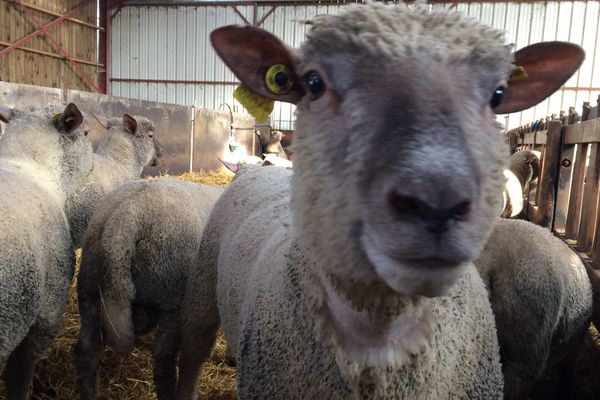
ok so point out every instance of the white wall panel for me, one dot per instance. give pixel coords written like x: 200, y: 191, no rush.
x: 171, y: 43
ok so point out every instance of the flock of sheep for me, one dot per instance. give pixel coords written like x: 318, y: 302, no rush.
x: 363, y: 272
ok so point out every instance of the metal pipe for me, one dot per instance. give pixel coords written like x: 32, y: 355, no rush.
x: 296, y: 3
x: 49, y: 54
x: 174, y: 81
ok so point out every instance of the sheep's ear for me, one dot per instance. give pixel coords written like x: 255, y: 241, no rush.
x: 6, y: 114
x: 250, y: 52
x: 230, y: 166
x: 130, y: 124
x: 70, y: 119
x: 545, y: 68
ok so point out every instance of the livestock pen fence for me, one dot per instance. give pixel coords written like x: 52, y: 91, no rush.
x: 565, y: 198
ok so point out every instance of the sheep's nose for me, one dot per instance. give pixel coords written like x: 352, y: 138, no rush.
x: 435, y: 219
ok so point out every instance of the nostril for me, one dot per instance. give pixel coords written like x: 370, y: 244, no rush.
x: 404, y: 204
x: 460, y: 211
x: 435, y: 219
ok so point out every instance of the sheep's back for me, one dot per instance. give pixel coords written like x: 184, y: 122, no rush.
x: 540, y: 295
x: 106, y: 175
x: 246, y: 217
x: 36, y: 260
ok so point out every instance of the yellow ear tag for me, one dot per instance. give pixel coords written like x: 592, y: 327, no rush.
x: 56, y: 116
x: 518, y: 73
x: 259, y: 107
x: 279, y: 79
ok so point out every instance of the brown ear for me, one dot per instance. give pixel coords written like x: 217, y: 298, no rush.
x: 249, y: 52
x: 130, y: 124
x: 70, y: 119
x: 230, y: 166
x: 6, y: 114
x: 548, y: 66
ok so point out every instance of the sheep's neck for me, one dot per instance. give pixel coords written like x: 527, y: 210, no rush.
x: 121, y: 150
x: 373, y: 339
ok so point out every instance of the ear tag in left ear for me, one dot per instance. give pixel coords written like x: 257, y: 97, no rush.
x: 259, y: 107
x: 279, y: 79
x: 518, y: 73
x: 56, y: 116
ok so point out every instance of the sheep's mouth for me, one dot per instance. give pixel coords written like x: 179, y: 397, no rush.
x: 428, y: 276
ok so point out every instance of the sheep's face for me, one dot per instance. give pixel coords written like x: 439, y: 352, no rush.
x: 397, y: 156
x: 407, y: 158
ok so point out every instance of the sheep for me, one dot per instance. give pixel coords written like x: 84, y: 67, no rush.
x: 140, y: 241
x: 523, y: 169
x: 127, y: 147
x: 43, y: 157
x: 541, y: 297
x: 362, y: 284
x: 272, y: 144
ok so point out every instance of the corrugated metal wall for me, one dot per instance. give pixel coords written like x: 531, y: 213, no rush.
x: 170, y: 44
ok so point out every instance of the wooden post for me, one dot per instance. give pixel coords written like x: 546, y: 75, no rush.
x: 589, y: 204
x: 547, y: 187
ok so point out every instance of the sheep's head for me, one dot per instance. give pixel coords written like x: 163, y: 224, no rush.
x: 398, y: 158
x: 141, y: 132
x: 55, y: 141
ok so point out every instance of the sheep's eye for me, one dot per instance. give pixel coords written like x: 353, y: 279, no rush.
x: 497, y: 96
x: 315, y: 84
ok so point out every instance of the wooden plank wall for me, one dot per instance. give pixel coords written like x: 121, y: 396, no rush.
x: 20, y: 66
x: 567, y: 197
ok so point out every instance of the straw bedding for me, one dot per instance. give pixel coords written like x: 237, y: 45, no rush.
x: 131, y: 378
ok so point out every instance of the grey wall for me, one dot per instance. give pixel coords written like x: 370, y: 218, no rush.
x: 186, y: 133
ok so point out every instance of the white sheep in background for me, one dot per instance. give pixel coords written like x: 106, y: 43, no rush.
x: 43, y: 157
x: 523, y: 168
x: 125, y: 149
x: 362, y: 283
x: 272, y: 144
x: 140, y: 243
x: 541, y: 298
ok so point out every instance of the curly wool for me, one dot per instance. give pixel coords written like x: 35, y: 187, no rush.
x: 121, y: 156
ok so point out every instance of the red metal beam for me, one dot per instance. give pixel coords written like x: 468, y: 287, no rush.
x: 55, y: 14
x: 262, y: 20
x: 241, y: 15
x: 78, y: 71
x: 49, y: 54
x: 174, y: 81
x: 104, y: 45
x: 49, y: 25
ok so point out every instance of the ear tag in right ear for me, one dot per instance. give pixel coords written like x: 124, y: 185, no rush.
x: 259, y: 107
x: 279, y: 79
x: 518, y: 73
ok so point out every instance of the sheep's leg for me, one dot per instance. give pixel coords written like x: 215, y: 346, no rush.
x: 88, y: 347
x: 166, y: 345
x: 196, y: 344
x: 18, y: 373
